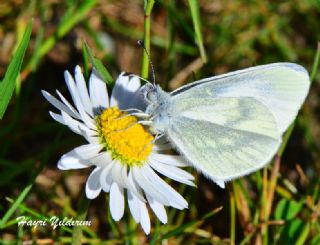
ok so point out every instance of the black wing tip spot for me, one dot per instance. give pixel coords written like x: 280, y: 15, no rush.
x: 126, y: 74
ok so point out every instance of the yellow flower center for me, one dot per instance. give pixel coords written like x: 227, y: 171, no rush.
x: 127, y: 140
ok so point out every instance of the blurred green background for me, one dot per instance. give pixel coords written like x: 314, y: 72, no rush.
x: 277, y: 205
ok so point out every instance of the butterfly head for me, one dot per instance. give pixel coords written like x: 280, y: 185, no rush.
x: 157, y: 107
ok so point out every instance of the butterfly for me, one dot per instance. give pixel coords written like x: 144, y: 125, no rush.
x: 230, y: 125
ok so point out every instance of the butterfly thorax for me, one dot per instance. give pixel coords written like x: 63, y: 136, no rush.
x: 158, y: 107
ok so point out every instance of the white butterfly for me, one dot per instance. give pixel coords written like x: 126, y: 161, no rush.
x: 230, y: 125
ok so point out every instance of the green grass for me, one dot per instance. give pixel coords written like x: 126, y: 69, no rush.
x: 277, y: 205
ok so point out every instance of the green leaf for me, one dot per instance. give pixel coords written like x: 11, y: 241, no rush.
x: 8, y: 84
x: 85, y: 56
x: 194, y: 9
x: 103, y: 72
x: 292, y: 231
x: 287, y: 209
x: 303, y: 235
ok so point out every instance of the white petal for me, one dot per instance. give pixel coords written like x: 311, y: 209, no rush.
x: 80, y: 128
x: 92, y: 139
x: 120, y: 176
x: 148, y: 187
x: 87, y: 151
x: 105, y: 177
x: 93, y: 187
x: 158, y: 209
x: 117, y: 174
x: 73, y: 124
x: 98, y: 92
x: 77, y: 101
x: 144, y: 218
x: 175, y: 199
x: 118, y: 91
x: 130, y: 90
x: 83, y: 91
x: 59, y: 105
x: 134, y: 84
x: 116, y: 201
x: 64, y: 100
x: 172, y: 172
x: 133, y: 186
x: 102, y: 159
x: 90, y: 135
x: 67, y: 162
x: 57, y: 117
x: 174, y: 160
x: 138, y: 99
x: 134, y: 206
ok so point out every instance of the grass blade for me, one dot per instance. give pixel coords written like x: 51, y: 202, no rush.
x: 194, y: 9
x: 316, y: 63
x: 192, y: 223
x: 15, y: 205
x: 7, y: 85
x: 81, y: 216
x: 103, y: 72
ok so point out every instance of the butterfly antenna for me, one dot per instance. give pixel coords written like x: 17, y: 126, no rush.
x: 141, y: 44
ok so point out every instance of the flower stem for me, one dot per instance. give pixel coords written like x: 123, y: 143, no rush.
x: 81, y: 215
x: 146, y: 40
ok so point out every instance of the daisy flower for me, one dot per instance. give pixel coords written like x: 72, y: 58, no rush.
x: 125, y: 155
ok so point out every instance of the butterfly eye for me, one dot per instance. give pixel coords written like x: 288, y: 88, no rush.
x: 150, y: 94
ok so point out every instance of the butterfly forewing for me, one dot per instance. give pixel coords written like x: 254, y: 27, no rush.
x: 282, y: 87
